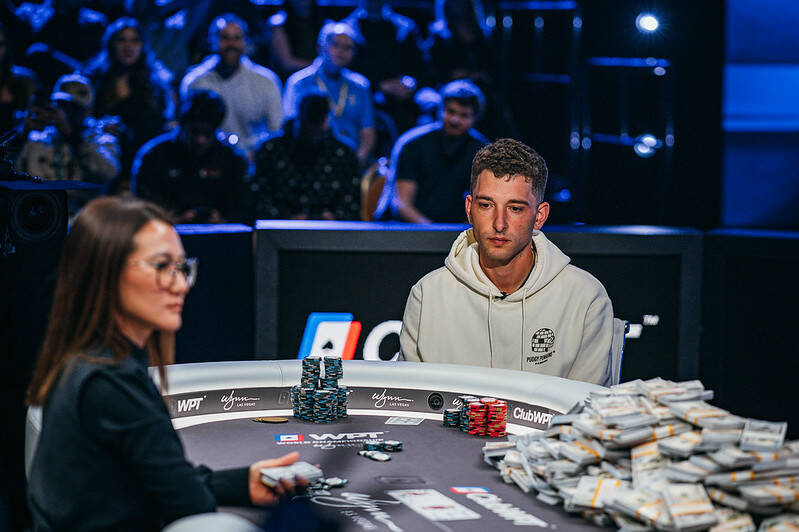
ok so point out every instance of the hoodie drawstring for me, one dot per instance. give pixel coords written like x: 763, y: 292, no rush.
x: 490, y: 336
x: 521, y: 352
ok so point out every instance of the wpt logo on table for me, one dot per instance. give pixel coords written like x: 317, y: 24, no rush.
x: 288, y: 438
x: 468, y: 489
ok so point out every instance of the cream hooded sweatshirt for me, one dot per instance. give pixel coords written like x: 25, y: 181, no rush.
x: 560, y: 322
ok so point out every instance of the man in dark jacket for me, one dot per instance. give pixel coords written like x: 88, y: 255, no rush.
x: 189, y: 171
x: 431, y: 164
x: 305, y: 171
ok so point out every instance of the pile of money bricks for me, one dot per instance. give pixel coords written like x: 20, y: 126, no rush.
x: 655, y: 455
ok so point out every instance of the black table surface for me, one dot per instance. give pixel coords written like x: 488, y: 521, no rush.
x: 461, y: 492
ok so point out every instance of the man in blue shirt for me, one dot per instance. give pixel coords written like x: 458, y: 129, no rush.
x: 351, y: 116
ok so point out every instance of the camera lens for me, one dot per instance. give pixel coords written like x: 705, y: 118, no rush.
x: 36, y: 215
x: 435, y: 401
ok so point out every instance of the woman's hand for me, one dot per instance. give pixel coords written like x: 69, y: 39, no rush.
x: 262, y: 495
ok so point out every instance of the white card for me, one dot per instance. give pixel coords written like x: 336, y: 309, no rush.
x: 400, y: 420
x: 433, y: 505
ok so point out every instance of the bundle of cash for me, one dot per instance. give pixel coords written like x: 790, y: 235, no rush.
x: 648, y: 466
x: 780, y: 523
x: 681, y: 445
x: 628, y: 524
x: 727, y: 499
x: 762, y: 435
x: 563, y: 432
x: 731, y: 456
x: 622, y: 471
x: 689, y: 507
x: 732, y: 521
x: 664, y: 391
x: 643, y: 506
x: 651, y: 433
x: 686, y: 471
x: 591, y: 492
x: 705, y: 415
x: 582, y: 451
x: 662, y: 412
x: 613, y: 409
x: 768, y: 495
x: 717, y: 438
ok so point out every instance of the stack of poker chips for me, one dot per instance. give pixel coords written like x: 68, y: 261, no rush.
x: 479, y: 417
x: 496, y: 417
x: 452, y: 417
x: 319, y: 398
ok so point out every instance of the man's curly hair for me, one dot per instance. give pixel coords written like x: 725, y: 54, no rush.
x: 506, y: 158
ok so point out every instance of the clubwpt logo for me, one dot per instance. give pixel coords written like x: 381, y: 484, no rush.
x: 531, y: 416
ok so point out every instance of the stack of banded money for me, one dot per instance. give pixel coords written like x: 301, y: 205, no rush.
x: 656, y: 455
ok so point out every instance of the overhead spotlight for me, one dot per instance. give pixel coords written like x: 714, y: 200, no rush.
x: 646, y: 145
x: 646, y: 23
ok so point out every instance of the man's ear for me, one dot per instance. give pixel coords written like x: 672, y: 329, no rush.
x: 541, y: 215
x: 468, y: 205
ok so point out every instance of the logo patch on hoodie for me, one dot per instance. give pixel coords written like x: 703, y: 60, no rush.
x: 542, y: 345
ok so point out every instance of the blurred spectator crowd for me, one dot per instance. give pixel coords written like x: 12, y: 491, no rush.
x: 231, y: 111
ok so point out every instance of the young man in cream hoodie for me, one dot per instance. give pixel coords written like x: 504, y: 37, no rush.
x: 507, y: 297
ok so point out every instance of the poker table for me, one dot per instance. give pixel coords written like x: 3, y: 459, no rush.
x: 439, y: 480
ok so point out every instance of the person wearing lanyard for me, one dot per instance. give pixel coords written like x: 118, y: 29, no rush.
x: 351, y: 115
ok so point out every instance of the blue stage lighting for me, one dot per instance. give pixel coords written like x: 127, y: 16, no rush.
x: 646, y: 22
x: 646, y: 145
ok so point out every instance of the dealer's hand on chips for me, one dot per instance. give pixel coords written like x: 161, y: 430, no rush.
x: 262, y: 495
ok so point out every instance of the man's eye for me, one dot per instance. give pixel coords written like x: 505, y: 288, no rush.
x: 161, y: 266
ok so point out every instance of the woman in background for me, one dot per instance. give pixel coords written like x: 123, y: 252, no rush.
x: 108, y: 457
x: 130, y: 83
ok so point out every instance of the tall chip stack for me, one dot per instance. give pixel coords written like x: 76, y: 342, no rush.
x: 478, y: 417
x: 319, y: 398
x: 496, y: 417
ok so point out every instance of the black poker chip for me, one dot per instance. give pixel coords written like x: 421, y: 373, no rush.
x: 391, y: 446
x: 372, y: 445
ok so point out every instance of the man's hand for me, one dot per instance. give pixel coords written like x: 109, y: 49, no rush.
x: 260, y: 494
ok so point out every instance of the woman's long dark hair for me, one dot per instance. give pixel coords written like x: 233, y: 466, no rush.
x: 105, y: 67
x: 83, y: 318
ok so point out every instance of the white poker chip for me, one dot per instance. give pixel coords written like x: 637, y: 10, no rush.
x: 376, y: 455
x: 335, y: 482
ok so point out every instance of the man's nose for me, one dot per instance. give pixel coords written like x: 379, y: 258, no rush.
x: 500, y: 221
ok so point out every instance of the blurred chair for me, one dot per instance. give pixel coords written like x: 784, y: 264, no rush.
x: 372, y: 183
x: 620, y: 329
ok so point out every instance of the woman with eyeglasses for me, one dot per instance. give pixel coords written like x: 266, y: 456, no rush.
x: 108, y: 457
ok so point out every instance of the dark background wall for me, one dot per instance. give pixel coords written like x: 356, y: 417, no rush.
x: 761, y: 115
